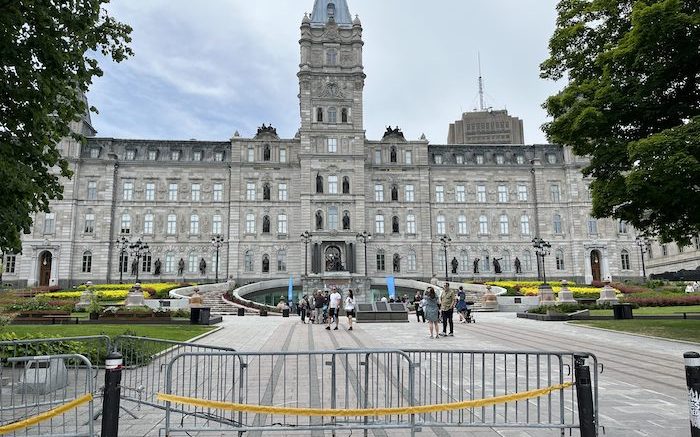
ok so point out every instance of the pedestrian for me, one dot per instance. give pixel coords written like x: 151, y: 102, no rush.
x: 350, y: 308
x: 447, y: 304
x: 303, y: 306
x: 418, y: 305
x: 461, y: 305
x: 333, y: 309
x: 431, y: 311
x: 319, y: 302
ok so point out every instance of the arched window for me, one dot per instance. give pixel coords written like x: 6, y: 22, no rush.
x: 411, y: 224
x: 397, y: 263
x: 194, y: 224
x: 248, y: 261
x: 462, y: 225
x: 483, y: 225
x: 126, y: 223
x: 346, y: 220
x: 503, y: 224
x: 527, y: 261
x: 266, y: 263
x: 266, y: 191
x: 464, y: 260
x: 346, y: 185
x: 319, y: 220
x: 344, y: 115
x: 381, y: 261
x: 169, y: 263
x: 394, y: 193
x: 319, y: 115
x: 250, y: 223
x: 560, y: 259
x: 485, y: 261
x: 266, y: 152
x: 411, y: 261
x: 332, y: 115
x: 525, y: 225
x: 393, y: 154
x: 266, y: 224
x: 505, y: 262
x: 282, y: 261
x: 87, y: 262
x: 440, y: 222
x: 395, y: 224
x: 556, y: 224
x: 625, y: 260
x: 192, y: 263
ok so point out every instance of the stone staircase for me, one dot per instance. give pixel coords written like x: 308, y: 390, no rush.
x: 218, y: 306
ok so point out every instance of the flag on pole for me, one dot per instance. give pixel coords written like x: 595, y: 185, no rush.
x: 391, y: 287
x: 290, y: 291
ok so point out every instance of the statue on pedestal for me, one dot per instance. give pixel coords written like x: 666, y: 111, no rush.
x: 476, y: 265
x: 455, y: 265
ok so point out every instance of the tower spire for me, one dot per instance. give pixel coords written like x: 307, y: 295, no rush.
x: 481, y: 84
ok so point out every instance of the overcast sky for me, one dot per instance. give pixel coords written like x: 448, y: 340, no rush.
x: 205, y: 69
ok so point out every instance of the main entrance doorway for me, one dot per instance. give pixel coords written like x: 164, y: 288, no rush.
x: 595, y: 265
x: 45, y: 260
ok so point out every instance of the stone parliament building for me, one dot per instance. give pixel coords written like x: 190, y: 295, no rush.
x: 261, y: 193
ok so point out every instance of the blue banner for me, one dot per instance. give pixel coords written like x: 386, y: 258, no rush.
x: 290, y: 291
x: 391, y: 287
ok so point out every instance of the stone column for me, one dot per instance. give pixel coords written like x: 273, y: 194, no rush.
x: 608, y: 295
x: 566, y: 295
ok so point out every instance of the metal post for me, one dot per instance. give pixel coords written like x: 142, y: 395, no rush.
x: 544, y: 270
x: 644, y: 269
x: 447, y: 277
x: 121, y: 262
x: 366, y: 259
x: 692, y: 376
x: 584, y: 397
x: 306, y: 259
x: 114, y: 364
x: 216, y: 274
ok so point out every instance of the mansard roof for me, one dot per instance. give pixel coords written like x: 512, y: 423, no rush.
x: 342, y: 13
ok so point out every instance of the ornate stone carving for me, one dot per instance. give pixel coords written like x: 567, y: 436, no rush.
x: 332, y: 90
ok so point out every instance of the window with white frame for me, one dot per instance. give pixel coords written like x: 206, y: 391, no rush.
x: 216, y: 224
x: 126, y: 223
x: 148, y: 224
x: 485, y: 264
x: 282, y: 193
x: 250, y: 191
x: 411, y: 261
x: 592, y: 226
x: 411, y: 224
x: 248, y: 261
x: 381, y: 261
x: 459, y: 159
x: 559, y: 257
x: 194, y: 224
x: 378, y: 224
x: 377, y: 156
x: 87, y: 262
x: 464, y: 260
x: 439, y: 194
x: 409, y: 193
x: 462, y: 225
x: 172, y: 192
x: 169, y: 263
x: 408, y: 157
x: 89, y: 223
x: 551, y: 158
x: 503, y: 224
x: 172, y: 224
x: 526, y: 263
x: 479, y: 159
x: 554, y: 194
x: 500, y: 160
x: 251, y: 154
x: 10, y: 263
x: 218, y: 192
x: 333, y: 218
x: 128, y: 192
x: 283, y: 155
x: 378, y: 192
x: 332, y: 145
x: 440, y: 225
x: 441, y: 259
x: 92, y: 190
x: 519, y: 159
x: 437, y: 159
x: 622, y: 227
x: 483, y: 225
x: 174, y: 155
x: 522, y: 193
x: 94, y: 152
x: 481, y: 193
x: 152, y: 155
x: 192, y: 263
x: 625, y: 260
x: 556, y: 222
x: 196, y: 192
x: 49, y: 223
x: 460, y: 193
x: 150, y: 192
x: 250, y: 223
x: 525, y: 225
x: 282, y: 224
x: 505, y: 262
x: 282, y: 260
x: 219, y: 156
x: 333, y: 184
x: 502, y: 194
x: 197, y: 155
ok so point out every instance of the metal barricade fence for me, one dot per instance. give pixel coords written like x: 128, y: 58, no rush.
x: 50, y: 395
x: 145, y: 361
x: 324, y: 379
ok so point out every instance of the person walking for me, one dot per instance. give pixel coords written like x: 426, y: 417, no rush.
x: 303, y: 306
x: 350, y: 308
x: 447, y: 304
x: 319, y: 303
x: 333, y: 309
x: 431, y: 311
x: 461, y: 305
x: 418, y: 304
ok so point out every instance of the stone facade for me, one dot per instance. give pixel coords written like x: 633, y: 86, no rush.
x: 261, y: 193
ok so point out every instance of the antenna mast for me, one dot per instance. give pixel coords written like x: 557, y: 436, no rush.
x: 481, y: 85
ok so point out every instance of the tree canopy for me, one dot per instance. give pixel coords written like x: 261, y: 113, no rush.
x: 632, y: 104
x: 49, y: 52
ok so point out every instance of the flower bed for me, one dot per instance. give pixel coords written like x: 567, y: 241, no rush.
x: 531, y: 288
x: 110, y: 292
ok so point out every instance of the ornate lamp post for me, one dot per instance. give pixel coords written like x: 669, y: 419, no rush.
x: 643, y: 244
x: 542, y: 249
x: 306, y: 239
x: 138, y: 249
x: 123, y: 243
x: 445, y: 241
x: 364, y: 237
x: 216, y: 242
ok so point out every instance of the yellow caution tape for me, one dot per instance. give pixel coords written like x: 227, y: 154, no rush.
x: 26, y: 423
x: 320, y: 412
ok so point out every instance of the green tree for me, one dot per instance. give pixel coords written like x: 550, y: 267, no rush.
x: 49, y: 53
x: 632, y: 104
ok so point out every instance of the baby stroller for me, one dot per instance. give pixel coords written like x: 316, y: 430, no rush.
x: 468, y: 315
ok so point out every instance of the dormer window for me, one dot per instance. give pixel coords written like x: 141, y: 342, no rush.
x: 174, y: 155
x: 437, y: 159
x: 500, y: 159
x: 551, y: 158
x: 152, y: 155
x: 219, y: 156
x: 519, y: 159
x: 479, y: 159
x: 130, y: 154
x: 459, y: 159
x: 197, y: 155
x: 95, y: 152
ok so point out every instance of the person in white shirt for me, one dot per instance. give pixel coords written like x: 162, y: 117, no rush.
x: 350, y: 308
x: 333, y: 309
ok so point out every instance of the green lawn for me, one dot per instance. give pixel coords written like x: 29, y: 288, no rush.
x: 165, y: 332
x: 688, y: 330
x: 651, y: 311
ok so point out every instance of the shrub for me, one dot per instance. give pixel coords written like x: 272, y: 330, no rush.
x: 663, y: 299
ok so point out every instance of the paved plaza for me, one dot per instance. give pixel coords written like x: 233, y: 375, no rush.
x: 642, y: 388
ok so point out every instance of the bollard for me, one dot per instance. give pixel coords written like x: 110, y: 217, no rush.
x: 692, y: 376
x: 584, y: 397
x: 114, y: 364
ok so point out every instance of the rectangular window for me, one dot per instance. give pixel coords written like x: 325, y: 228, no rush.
x: 250, y: 191
x: 172, y: 224
x: 197, y: 155
x: 502, y: 194
x: 479, y: 159
x: 282, y: 193
x: 152, y: 155
x: 175, y: 155
x: 460, y: 194
x: 92, y: 190
x: 216, y: 225
x: 332, y: 145
x: 283, y: 155
x: 332, y: 184
x: 592, y: 226
x: 377, y: 156
x: 500, y: 159
x: 218, y: 195
x: 219, y: 156
x: 439, y: 194
x: 126, y: 224
x: 194, y: 224
x: 49, y: 223
x: 169, y: 263
x: 87, y: 262
x: 147, y: 263
x: 440, y: 225
x: 437, y: 159
x: 128, y: 193
x: 150, y: 191
x: 411, y: 224
x: 172, y: 192
x: 196, y: 192
x: 378, y: 193
x: 251, y: 154
x: 522, y: 193
x: 10, y: 263
x: 409, y: 194
x: 408, y: 157
x: 282, y: 224
x: 94, y: 153
x: 462, y: 225
x: 554, y: 193
x: 148, y: 224
x: 411, y: 262
x: 333, y: 218
x: 379, y: 224
x: 481, y: 193
x: 459, y: 159
x: 519, y: 159
x: 89, y: 223
x: 381, y: 262
x: 250, y: 223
